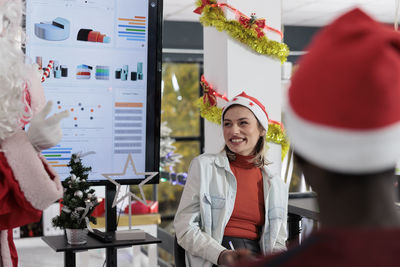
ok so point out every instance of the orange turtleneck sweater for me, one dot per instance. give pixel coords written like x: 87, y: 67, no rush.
x: 248, y: 213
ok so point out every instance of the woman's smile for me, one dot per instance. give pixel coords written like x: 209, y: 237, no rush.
x: 241, y: 130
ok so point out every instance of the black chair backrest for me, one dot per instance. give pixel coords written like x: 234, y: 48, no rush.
x: 179, y: 254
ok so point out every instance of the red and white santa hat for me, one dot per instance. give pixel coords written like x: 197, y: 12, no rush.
x: 343, y: 110
x: 251, y: 103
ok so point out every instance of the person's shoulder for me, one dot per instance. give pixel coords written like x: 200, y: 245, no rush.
x: 210, y: 160
x: 207, y: 157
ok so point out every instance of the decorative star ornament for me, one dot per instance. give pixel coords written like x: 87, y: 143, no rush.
x: 129, y: 161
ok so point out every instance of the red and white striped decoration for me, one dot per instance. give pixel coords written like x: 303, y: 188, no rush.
x: 47, y: 70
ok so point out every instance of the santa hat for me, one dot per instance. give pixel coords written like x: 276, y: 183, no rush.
x: 251, y: 103
x: 343, y: 110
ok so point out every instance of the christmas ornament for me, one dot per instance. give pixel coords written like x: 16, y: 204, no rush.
x: 66, y: 209
x: 78, y: 193
x: 247, y: 30
x: 130, y: 195
x: 129, y: 161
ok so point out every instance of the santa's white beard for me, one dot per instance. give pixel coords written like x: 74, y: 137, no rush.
x: 12, y: 69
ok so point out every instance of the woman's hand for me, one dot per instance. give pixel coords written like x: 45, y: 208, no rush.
x: 230, y: 257
x: 227, y: 257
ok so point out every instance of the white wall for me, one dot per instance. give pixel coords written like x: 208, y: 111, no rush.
x: 232, y: 67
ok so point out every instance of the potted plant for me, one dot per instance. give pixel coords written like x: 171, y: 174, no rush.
x: 78, y: 203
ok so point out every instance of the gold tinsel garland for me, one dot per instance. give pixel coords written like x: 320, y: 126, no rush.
x: 275, y: 133
x: 208, y: 112
x: 214, y: 16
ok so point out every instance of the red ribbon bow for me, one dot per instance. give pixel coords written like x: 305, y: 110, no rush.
x: 209, y: 93
x: 249, y: 22
x: 199, y: 10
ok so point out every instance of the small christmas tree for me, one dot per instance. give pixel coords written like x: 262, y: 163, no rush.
x: 78, y: 201
x: 167, y: 155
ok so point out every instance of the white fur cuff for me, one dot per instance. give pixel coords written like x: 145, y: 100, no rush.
x: 29, y: 171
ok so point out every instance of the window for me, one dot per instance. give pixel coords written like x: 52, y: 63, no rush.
x: 180, y: 89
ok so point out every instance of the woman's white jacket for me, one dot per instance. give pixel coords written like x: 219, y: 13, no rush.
x: 207, y: 203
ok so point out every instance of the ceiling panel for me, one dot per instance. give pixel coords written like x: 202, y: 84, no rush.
x: 298, y: 12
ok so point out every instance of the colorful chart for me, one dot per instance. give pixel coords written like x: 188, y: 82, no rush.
x: 58, y: 156
x: 128, y: 128
x: 132, y: 29
x: 83, y: 72
x: 82, y: 115
x: 102, y: 72
x: 57, y: 30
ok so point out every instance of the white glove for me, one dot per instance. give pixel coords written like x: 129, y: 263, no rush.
x: 45, y: 133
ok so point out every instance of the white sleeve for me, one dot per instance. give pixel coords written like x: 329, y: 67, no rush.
x: 280, y: 244
x: 37, y: 179
x: 281, y: 238
x: 188, y: 223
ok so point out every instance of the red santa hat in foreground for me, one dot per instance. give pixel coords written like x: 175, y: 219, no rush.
x: 343, y: 110
x: 251, y: 103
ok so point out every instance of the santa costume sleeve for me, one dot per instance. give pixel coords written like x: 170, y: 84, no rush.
x: 28, y: 185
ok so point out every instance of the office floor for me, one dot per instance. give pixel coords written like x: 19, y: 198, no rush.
x: 33, y: 252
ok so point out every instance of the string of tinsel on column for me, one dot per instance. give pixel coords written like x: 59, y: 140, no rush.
x: 211, y: 112
x: 247, y: 30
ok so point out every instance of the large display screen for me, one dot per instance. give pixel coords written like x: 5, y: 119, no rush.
x: 106, y: 67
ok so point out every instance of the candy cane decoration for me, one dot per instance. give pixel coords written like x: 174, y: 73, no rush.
x: 46, y: 72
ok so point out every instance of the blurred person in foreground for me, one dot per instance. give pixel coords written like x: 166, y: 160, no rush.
x: 343, y: 120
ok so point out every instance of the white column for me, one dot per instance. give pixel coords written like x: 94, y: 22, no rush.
x: 232, y: 67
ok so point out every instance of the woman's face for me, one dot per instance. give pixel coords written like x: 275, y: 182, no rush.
x: 241, y: 130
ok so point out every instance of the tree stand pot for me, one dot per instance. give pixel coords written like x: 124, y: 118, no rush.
x: 76, y: 236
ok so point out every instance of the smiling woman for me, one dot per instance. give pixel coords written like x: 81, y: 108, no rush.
x: 242, y: 131
x: 232, y: 197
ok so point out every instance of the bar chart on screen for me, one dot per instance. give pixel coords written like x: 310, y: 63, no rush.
x: 132, y: 29
x: 128, y: 128
x: 131, y: 24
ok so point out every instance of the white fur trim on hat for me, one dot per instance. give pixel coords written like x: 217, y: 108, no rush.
x: 258, y: 112
x: 29, y: 171
x: 345, y: 151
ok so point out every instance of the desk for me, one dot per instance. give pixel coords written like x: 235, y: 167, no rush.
x: 59, y: 244
x: 307, y: 207
x: 304, y: 207
x: 300, y: 205
x: 145, y: 222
